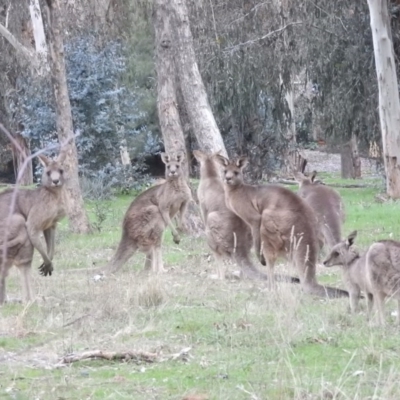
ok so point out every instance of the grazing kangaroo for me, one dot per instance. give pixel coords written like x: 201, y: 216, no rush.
x: 281, y: 223
x: 227, y: 235
x: 150, y: 214
x: 35, y: 212
x: 327, y: 205
x: 376, y: 272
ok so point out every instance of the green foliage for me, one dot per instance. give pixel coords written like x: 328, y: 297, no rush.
x: 140, y: 67
x: 340, y: 64
x: 104, y: 108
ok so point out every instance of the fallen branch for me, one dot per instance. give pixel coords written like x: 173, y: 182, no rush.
x: 338, y: 185
x: 136, y: 356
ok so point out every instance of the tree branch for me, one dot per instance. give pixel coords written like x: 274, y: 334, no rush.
x: 26, y: 53
x: 252, y: 41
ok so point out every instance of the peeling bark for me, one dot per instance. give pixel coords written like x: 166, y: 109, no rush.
x: 389, y: 103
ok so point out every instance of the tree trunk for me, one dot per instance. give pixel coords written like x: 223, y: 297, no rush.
x: 78, y: 219
x: 26, y: 177
x: 288, y: 86
x: 350, y: 159
x: 168, y: 113
x: 389, y: 103
x: 194, y: 94
x: 355, y: 156
x: 38, y: 29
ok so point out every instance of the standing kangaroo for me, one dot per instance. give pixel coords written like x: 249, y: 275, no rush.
x: 227, y: 235
x: 150, y: 214
x: 35, y: 212
x: 327, y: 205
x: 376, y: 272
x: 281, y: 223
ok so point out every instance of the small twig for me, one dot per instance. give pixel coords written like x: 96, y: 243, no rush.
x: 76, y: 320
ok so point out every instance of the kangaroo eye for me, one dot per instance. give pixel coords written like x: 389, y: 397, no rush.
x: 48, y: 173
x: 225, y: 171
x: 236, y: 173
x: 177, y: 166
x: 61, y: 171
x: 168, y: 166
x: 335, y: 254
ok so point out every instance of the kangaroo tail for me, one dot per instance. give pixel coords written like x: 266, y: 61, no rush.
x: 122, y: 255
x: 325, y: 291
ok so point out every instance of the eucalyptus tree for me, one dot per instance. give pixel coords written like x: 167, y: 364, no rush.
x: 389, y: 102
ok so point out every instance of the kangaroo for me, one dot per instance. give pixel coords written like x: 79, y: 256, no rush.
x: 227, y: 235
x: 150, y: 214
x: 281, y: 223
x: 375, y: 272
x: 33, y: 212
x: 326, y: 203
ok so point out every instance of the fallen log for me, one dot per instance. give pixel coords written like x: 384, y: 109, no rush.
x: 135, y: 356
x: 338, y: 185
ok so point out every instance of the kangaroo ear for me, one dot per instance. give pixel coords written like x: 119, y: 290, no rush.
x: 45, y: 161
x: 165, y: 158
x: 350, y: 238
x: 241, y: 162
x: 198, y: 155
x: 221, y: 160
x: 179, y: 156
x: 313, y: 175
x: 298, y: 176
x: 61, y: 157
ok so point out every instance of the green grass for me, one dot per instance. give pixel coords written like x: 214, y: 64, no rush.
x: 245, y: 341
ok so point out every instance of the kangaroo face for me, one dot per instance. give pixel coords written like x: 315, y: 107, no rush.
x: 53, y: 172
x: 232, y: 169
x: 342, y: 253
x: 173, y: 164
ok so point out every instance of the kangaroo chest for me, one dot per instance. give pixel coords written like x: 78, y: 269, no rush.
x: 239, y: 204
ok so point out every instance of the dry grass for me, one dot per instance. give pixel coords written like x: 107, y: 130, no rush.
x: 215, y: 339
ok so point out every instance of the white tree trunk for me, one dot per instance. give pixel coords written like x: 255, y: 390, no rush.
x: 389, y: 103
x: 167, y: 104
x: 38, y: 30
x: 194, y: 94
x: 289, y: 97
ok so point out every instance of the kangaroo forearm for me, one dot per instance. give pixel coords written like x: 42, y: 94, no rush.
x: 183, y: 210
x: 49, y: 235
x: 256, y: 241
x: 168, y: 222
x: 39, y: 246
